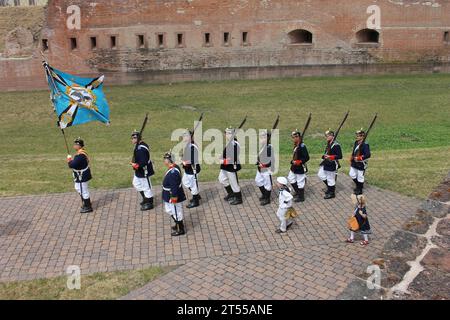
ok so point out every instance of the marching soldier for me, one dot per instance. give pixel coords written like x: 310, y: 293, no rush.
x: 297, y: 174
x: 266, y: 160
x: 173, y: 195
x: 229, y: 167
x: 81, y: 174
x: 143, y: 170
x: 359, y: 161
x: 191, y: 168
x: 330, y: 164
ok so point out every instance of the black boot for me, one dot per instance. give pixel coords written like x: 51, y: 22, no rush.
x: 179, y: 229
x: 326, y: 183
x: 263, y: 194
x: 356, y: 186
x: 143, y: 197
x: 296, y: 191
x: 237, y: 199
x: 147, y: 205
x: 359, y: 188
x: 301, y: 195
x: 195, y: 202
x: 266, y: 199
x: 331, y: 193
x: 229, y: 193
x: 174, y: 227
x: 87, y: 206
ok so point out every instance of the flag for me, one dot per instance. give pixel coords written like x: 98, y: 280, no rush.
x: 76, y: 100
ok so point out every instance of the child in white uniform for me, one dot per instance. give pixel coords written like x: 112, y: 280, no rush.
x: 285, y: 202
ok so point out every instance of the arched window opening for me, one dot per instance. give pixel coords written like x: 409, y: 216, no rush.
x: 300, y: 36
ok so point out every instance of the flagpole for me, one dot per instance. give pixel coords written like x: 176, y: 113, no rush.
x: 65, y: 141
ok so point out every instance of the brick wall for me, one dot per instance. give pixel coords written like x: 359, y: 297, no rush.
x: 411, y: 32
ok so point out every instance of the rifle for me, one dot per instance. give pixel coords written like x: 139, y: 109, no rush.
x: 306, y: 127
x: 367, y: 132
x: 194, y: 166
x: 232, y: 139
x: 337, y: 133
x: 195, y: 128
x: 329, y: 144
x: 275, y: 125
x: 144, y: 123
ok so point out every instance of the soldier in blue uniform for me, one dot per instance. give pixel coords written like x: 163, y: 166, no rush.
x: 81, y: 174
x: 265, y: 163
x: 191, y: 166
x: 173, y: 195
x: 297, y: 174
x: 229, y: 167
x: 330, y: 164
x: 359, y: 161
x: 143, y: 170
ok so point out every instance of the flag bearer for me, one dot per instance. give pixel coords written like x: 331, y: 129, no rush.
x: 191, y: 166
x: 330, y: 164
x: 81, y: 174
x: 143, y: 170
x: 229, y: 167
x: 359, y: 161
x: 265, y: 163
x: 297, y: 174
x: 173, y: 195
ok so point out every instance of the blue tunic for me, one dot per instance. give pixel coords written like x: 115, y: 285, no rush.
x: 80, y: 167
x: 335, y: 150
x: 142, y: 157
x: 172, y: 185
x: 300, y: 153
x: 364, y: 151
x: 231, y: 152
x: 190, y: 154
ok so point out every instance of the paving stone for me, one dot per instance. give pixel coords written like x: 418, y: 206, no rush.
x: 420, y: 223
x: 224, y: 246
x: 436, y: 208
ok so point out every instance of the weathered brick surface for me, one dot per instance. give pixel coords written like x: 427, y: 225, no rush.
x: 410, y: 32
x: 40, y: 236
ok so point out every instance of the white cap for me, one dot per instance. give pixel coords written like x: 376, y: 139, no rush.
x: 282, y: 180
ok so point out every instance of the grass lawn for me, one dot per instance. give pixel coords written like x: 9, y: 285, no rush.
x: 410, y: 142
x: 98, y: 286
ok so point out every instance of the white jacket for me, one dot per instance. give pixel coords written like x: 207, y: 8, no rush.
x: 285, y: 199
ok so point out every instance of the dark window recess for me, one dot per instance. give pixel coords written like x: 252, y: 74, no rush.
x: 93, y: 42
x: 113, y: 42
x: 73, y: 43
x: 141, y: 41
x: 160, y: 40
x: 446, y: 36
x: 44, y: 45
x: 367, y: 36
x: 244, y: 37
x: 207, y: 38
x: 226, y: 38
x: 300, y: 36
x: 180, y: 39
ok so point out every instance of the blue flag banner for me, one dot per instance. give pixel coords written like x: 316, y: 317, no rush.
x: 76, y: 100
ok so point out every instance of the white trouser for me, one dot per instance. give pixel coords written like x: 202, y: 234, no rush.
x: 190, y: 182
x: 175, y: 210
x: 329, y: 176
x: 227, y: 178
x: 300, y: 179
x: 357, y: 174
x: 264, y: 179
x: 82, y: 189
x: 142, y: 184
x: 281, y: 214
